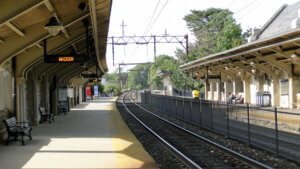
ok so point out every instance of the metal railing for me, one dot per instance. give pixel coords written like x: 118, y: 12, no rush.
x: 267, y: 128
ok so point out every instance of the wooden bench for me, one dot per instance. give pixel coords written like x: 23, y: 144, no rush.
x: 46, y: 116
x: 16, y: 129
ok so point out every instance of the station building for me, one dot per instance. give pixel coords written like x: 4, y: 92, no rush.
x: 265, y: 68
x: 26, y: 81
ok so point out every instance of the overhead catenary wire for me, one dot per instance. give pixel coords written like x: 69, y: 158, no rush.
x: 251, y: 9
x: 151, y: 25
x: 161, y: 10
x: 152, y: 16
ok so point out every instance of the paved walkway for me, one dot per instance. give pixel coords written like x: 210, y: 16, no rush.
x: 92, y: 135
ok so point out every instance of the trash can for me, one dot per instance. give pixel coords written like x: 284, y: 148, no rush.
x: 195, y: 94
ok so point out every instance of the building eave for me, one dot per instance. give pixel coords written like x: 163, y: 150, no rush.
x: 100, y: 16
x: 287, y: 37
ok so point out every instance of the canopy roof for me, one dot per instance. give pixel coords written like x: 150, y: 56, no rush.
x: 22, y: 32
x: 275, y: 50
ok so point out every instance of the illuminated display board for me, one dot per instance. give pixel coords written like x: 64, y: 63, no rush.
x: 65, y: 58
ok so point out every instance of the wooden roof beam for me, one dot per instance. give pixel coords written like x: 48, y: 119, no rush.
x: 15, y: 28
x: 1, y: 40
x: 296, y: 43
x: 241, y: 66
x: 29, y: 41
x: 228, y: 73
x: 38, y: 45
x: 258, y: 66
x: 280, y: 52
x: 272, y: 61
x: 51, y: 9
x: 75, y: 48
x: 61, y: 48
x: 14, y: 13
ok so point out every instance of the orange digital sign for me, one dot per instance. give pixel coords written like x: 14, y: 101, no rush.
x: 66, y: 59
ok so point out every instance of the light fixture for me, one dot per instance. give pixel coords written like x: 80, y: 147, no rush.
x: 252, y: 63
x: 295, y: 56
x: 53, y: 26
x: 226, y: 68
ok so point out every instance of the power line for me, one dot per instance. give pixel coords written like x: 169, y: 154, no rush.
x: 246, y: 6
x: 230, y: 4
x: 153, y: 22
x: 157, y: 16
x: 152, y: 16
x: 253, y: 7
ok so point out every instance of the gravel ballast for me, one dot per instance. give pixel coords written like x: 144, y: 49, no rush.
x: 263, y: 156
x: 163, y: 158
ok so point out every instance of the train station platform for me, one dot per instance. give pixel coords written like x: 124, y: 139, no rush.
x: 91, y: 135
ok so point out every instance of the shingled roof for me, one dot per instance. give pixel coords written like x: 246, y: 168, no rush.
x: 280, y: 22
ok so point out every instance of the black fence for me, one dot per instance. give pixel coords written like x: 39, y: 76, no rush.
x: 267, y: 128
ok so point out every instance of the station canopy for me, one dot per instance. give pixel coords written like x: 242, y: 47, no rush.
x: 22, y: 33
x: 274, y: 50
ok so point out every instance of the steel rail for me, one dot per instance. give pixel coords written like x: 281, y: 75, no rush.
x: 183, y: 158
x: 237, y: 155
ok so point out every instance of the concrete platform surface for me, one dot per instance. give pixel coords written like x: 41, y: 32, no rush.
x: 91, y: 135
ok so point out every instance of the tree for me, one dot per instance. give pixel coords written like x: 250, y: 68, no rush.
x: 112, y: 88
x: 138, y: 77
x: 100, y: 88
x: 115, y: 77
x: 111, y: 77
x: 165, y: 64
x: 170, y: 66
x: 215, y: 29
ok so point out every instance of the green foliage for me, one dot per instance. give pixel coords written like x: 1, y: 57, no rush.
x: 112, y: 88
x: 230, y: 36
x: 115, y: 77
x: 138, y: 77
x: 170, y: 67
x: 111, y: 77
x: 184, y: 81
x: 100, y: 88
x: 164, y: 64
x: 215, y: 30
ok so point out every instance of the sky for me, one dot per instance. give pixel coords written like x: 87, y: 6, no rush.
x: 166, y: 16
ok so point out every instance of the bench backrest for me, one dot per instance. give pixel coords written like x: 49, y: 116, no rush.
x: 10, y: 123
x: 42, y: 110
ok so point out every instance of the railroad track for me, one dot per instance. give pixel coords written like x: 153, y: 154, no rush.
x: 192, y: 149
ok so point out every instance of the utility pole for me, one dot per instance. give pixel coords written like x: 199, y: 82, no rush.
x: 165, y: 34
x: 123, y: 28
x: 120, y: 77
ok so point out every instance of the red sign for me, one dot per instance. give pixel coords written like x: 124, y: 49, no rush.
x: 88, y: 91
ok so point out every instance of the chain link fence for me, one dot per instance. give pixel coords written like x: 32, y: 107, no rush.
x: 267, y: 128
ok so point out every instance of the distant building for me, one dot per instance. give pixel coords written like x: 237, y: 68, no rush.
x: 167, y: 83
